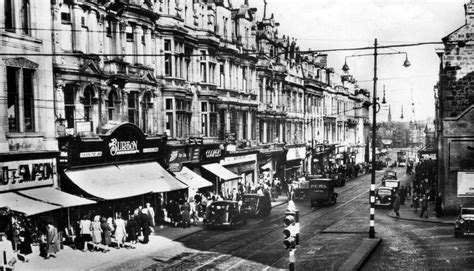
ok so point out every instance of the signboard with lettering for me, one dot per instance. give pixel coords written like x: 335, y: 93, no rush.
x: 195, y: 140
x: 230, y: 137
x: 124, y: 143
x: 229, y: 160
x: 16, y: 175
x: 465, y: 184
x: 211, y: 153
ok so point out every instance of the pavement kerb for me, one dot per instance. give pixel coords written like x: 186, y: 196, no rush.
x: 361, y: 254
x: 421, y: 220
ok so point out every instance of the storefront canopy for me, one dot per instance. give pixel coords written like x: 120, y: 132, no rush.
x: 25, y: 205
x: 54, y: 196
x: 125, y: 180
x: 192, y: 179
x: 220, y: 171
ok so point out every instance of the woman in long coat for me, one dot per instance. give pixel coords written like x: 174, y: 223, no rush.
x: 106, y: 232
x: 120, y: 232
x: 396, y: 205
x: 96, y: 230
x: 132, y: 229
x: 52, y: 239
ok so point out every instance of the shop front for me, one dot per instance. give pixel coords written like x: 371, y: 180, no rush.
x: 184, y: 161
x: 120, y: 170
x: 29, y: 188
x: 295, y: 157
x: 270, y: 164
x: 221, y: 177
x: 243, y: 165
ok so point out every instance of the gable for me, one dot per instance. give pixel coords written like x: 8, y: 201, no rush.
x: 90, y: 67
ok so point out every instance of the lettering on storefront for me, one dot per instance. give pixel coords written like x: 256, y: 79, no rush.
x: 214, y: 153
x: 148, y: 150
x: 26, y: 174
x: 239, y: 159
x: 123, y: 147
x: 90, y: 154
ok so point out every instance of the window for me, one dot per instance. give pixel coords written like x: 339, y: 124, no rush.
x: 65, y: 14
x: 9, y: 6
x: 108, y: 28
x: 146, y: 111
x: 169, y: 117
x: 203, y: 67
x: 112, y: 105
x: 244, y: 79
x: 221, y: 75
x: 179, y: 59
x: 129, y: 33
x: 132, y: 100
x: 25, y: 17
x: 212, y: 72
x: 87, y: 102
x: 208, y: 119
x: 244, y: 124
x: 20, y: 96
x: 183, y: 118
x: 69, y: 105
x: 168, y: 64
x: 145, y: 30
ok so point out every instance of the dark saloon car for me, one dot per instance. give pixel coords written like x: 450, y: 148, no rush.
x: 256, y: 205
x: 225, y: 213
x: 464, y: 224
x: 384, y: 196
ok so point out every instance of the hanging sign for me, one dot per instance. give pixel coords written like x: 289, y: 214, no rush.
x: 16, y: 175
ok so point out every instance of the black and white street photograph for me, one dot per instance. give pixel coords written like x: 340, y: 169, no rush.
x: 236, y: 135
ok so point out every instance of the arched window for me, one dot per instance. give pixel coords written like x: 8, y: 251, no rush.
x: 87, y: 102
x: 111, y: 104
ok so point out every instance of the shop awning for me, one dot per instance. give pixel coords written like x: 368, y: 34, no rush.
x: 25, y: 205
x: 53, y: 196
x: 123, y: 181
x: 266, y: 166
x: 220, y: 171
x: 192, y: 179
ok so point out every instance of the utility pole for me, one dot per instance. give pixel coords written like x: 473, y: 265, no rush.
x: 374, y: 128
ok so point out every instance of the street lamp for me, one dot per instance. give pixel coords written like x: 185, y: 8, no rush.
x: 345, y: 68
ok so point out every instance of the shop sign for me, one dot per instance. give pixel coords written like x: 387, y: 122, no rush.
x: 123, y: 147
x: 231, y: 147
x: 296, y: 153
x: 239, y: 159
x: 26, y: 174
x: 195, y: 154
x: 148, y: 150
x: 178, y: 156
x: 214, y: 153
x: 90, y: 154
x: 465, y: 184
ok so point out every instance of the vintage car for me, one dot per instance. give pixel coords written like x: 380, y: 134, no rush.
x: 464, y: 224
x: 390, y: 175
x: 225, y: 213
x: 256, y: 205
x: 384, y: 196
x: 321, y: 191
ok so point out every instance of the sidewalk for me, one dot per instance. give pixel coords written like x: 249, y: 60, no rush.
x: 408, y: 213
x: 73, y: 259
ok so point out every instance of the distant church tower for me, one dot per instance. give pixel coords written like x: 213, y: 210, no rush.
x: 389, y: 114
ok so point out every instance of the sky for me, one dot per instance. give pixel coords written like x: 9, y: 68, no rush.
x: 329, y: 24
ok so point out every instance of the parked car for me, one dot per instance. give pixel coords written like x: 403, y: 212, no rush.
x: 225, y: 213
x: 321, y: 191
x: 384, y: 196
x: 390, y: 174
x: 464, y: 224
x: 256, y: 205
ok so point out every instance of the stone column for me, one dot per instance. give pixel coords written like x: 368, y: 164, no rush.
x: 77, y: 43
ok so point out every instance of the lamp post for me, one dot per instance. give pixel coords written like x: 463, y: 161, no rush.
x: 345, y: 68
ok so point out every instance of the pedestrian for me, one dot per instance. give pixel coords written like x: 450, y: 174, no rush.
x: 106, y: 232
x: 85, y: 232
x: 96, y: 230
x: 403, y: 193
x: 150, y: 213
x: 185, y: 215
x: 120, y: 232
x: 396, y: 205
x: 145, y: 224
x: 52, y: 240
x: 416, y: 201
x: 408, y: 191
x: 194, y: 210
x: 439, y: 205
x: 424, y: 206
x: 132, y: 229
x: 25, y: 242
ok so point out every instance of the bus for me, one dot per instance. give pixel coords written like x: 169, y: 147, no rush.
x: 402, y: 158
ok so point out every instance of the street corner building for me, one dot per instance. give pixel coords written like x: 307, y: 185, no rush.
x: 455, y: 112
x: 109, y: 105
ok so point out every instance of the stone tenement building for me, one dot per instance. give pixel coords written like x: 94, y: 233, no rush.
x: 211, y: 79
x: 455, y: 112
